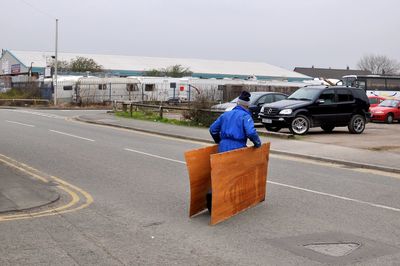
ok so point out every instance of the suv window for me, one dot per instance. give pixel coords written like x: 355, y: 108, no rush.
x: 305, y: 94
x: 328, y: 96
x: 344, y: 95
x: 266, y: 99
x: 279, y: 97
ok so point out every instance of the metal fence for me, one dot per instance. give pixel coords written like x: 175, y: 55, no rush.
x: 99, y: 90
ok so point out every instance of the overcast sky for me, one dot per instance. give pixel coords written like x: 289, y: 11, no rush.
x: 286, y: 33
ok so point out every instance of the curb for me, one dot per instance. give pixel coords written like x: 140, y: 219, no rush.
x: 276, y: 135
x: 273, y: 151
x: 55, y: 199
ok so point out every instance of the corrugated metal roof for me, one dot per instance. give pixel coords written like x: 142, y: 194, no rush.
x: 141, y: 63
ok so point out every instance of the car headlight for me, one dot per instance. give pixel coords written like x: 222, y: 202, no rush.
x: 262, y: 110
x: 379, y: 112
x: 286, y: 112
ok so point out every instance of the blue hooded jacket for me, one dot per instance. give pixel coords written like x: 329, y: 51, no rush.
x: 232, y: 129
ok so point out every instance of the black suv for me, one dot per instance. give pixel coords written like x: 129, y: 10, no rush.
x: 327, y: 107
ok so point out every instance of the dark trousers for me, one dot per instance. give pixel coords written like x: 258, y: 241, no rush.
x: 209, y: 200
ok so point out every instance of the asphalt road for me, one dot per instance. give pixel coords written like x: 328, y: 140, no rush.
x: 139, y: 213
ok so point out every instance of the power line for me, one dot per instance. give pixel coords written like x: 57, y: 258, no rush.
x: 38, y: 10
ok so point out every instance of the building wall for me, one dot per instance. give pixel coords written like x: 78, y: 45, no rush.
x: 10, y: 65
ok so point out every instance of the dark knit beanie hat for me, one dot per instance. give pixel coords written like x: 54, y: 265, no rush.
x: 244, y: 98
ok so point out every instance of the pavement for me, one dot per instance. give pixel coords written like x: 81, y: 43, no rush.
x: 20, y: 192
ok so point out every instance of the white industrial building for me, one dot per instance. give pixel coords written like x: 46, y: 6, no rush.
x: 124, y: 77
x: 14, y: 62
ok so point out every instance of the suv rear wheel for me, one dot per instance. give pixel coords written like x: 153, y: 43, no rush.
x: 357, y: 124
x: 300, y: 125
x: 327, y: 128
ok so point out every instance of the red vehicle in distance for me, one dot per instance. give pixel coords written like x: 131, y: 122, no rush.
x: 375, y: 100
x: 386, y: 111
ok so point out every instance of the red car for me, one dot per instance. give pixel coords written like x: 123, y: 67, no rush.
x: 386, y: 111
x: 375, y: 100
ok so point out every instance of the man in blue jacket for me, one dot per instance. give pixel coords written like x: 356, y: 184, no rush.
x: 232, y: 129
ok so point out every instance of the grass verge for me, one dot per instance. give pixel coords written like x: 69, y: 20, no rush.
x: 150, y: 116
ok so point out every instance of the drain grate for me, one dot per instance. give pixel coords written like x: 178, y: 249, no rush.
x: 333, y: 249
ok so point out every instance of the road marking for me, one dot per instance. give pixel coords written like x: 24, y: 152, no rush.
x: 132, y: 131
x: 67, y: 134
x: 79, y: 198
x: 155, y: 156
x: 336, y: 196
x: 335, y: 165
x: 18, y: 123
x: 39, y: 114
x: 292, y: 187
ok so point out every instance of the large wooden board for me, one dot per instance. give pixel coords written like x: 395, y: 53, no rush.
x: 239, y: 179
x: 199, y: 168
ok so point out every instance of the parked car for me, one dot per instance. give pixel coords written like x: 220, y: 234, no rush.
x: 317, y: 106
x: 375, y: 100
x: 386, y: 111
x: 257, y: 100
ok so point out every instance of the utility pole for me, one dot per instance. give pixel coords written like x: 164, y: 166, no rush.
x: 56, y: 65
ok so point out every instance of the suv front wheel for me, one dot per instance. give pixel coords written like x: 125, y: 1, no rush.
x: 357, y: 124
x: 300, y: 125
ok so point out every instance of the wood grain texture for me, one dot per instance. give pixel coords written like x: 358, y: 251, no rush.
x: 199, y: 168
x: 239, y: 179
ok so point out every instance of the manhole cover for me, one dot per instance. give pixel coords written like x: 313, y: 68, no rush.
x: 333, y: 249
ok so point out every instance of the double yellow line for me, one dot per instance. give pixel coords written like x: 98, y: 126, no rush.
x: 78, y: 198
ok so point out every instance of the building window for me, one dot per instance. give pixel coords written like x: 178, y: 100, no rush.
x: 149, y: 87
x: 67, y: 88
x: 393, y: 84
x: 376, y: 84
x: 102, y: 86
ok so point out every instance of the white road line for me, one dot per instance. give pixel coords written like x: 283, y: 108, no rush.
x: 155, y: 156
x: 336, y: 196
x: 18, y: 123
x: 40, y: 114
x: 75, y: 136
x: 292, y: 187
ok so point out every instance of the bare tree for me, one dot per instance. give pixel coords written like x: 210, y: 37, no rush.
x: 379, y: 64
